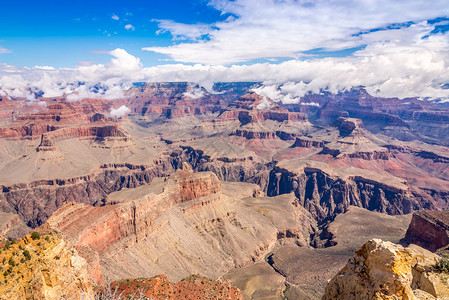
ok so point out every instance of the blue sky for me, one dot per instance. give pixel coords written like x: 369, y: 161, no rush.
x: 68, y: 33
x: 62, y: 33
x: 395, y: 48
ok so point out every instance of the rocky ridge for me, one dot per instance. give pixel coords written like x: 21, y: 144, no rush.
x: 171, y: 220
x: 324, y: 158
x: 429, y: 229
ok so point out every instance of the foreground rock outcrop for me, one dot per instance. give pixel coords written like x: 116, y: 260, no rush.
x: 383, y: 270
x: 43, y: 267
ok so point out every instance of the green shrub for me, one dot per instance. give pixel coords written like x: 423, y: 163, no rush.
x: 27, y: 254
x: 7, y: 244
x: 443, y: 264
x: 11, y: 262
x: 35, y: 235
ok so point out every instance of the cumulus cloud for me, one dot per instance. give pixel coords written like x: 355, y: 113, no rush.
x: 107, y: 81
x: 287, y: 28
x: 194, y: 91
x: 409, y: 61
x: 115, y: 17
x: 119, y: 112
x: 130, y: 27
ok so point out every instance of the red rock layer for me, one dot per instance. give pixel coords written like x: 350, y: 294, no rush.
x: 171, y: 100
x: 429, y: 229
x: 254, y: 134
x: 26, y: 130
x: 100, y: 227
x: 248, y: 109
x: 193, y: 287
x: 305, y: 143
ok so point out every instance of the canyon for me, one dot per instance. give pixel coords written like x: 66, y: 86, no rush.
x: 227, y: 184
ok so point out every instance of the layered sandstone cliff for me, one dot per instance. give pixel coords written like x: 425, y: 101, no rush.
x: 181, y: 225
x: 429, y: 229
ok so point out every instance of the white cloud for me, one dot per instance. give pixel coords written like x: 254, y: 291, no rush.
x: 286, y: 28
x: 194, y: 91
x: 44, y: 67
x: 87, y: 81
x: 115, y: 17
x: 4, y: 50
x: 119, y: 112
x: 309, y: 103
x: 183, y: 31
x: 130, y: 27
x: 406, y: 63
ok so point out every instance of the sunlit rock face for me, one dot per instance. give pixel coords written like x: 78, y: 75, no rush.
x: 46, y: 267
x: 383, y: 270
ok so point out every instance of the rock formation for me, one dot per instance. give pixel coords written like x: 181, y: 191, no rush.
x: 383, y: 270
x: 12, y: 226
x: 192, y: 287
x: 43, y: 267
x: 314, y: 162
x: 429, y: 229
x: 182, y: 225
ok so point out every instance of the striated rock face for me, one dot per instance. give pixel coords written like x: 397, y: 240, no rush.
x: 99, y: 132
x: 383, y: 270
x: 25, y: 130
x: 186, y: 186
x: 307, y: 143
x: 172, y: 100
x: 429, y: 229
x: 348, y: 126
x: 254, y: 134
x: 181, y: 225
x: 59, y: 112
x: 405, y: 119
x: 52, y: 117
x: 252, y: 107
x: 326, y: 193
x: 134, y: 218
x: 43, y: 268
x: 37, y: 200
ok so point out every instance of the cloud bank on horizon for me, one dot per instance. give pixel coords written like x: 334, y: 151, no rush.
x: 401, y: 50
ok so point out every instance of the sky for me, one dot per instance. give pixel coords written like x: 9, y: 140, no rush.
x: 395, y: 48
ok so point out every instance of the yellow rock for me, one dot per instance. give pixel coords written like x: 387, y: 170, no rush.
x: 53, y: 271
x: 383, y: 270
